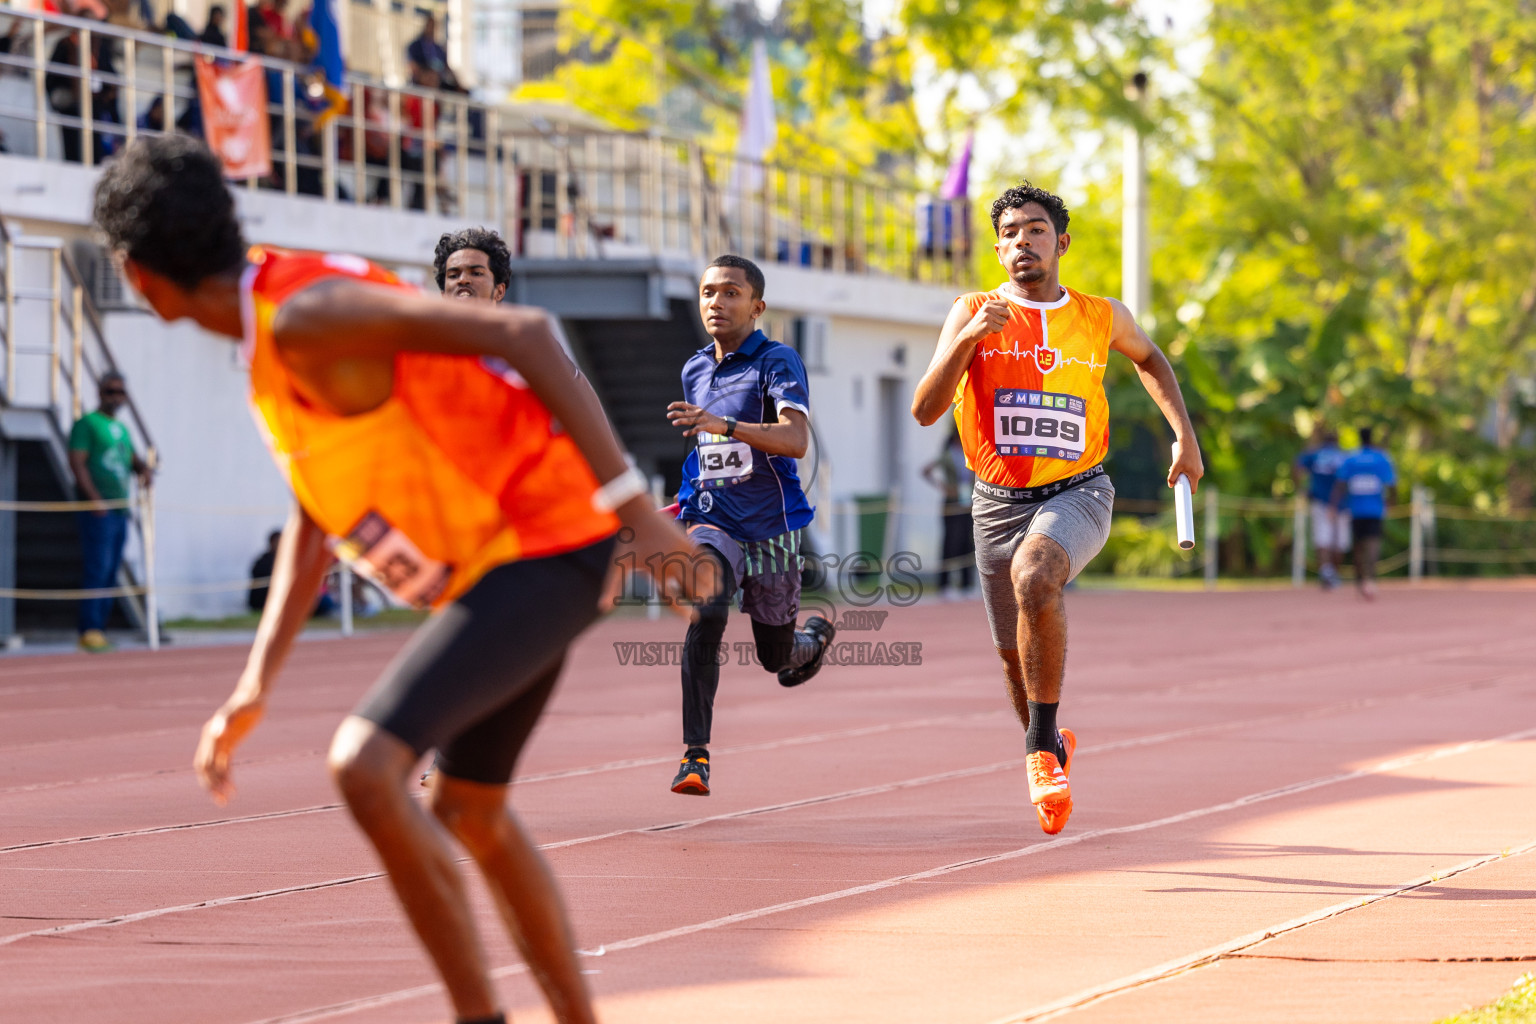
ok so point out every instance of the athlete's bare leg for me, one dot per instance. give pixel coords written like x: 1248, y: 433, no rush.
x: 373, y: 770
x: 1040, y: 570
x: 1366, y: 553
x: 525, y: 893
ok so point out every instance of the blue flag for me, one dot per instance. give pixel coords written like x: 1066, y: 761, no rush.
x: 322, y: 18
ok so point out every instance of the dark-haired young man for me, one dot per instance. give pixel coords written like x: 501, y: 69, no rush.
x: 420, y: 440
x: 472, y: 264
x: 748, y: 403
x: 1024, y: 366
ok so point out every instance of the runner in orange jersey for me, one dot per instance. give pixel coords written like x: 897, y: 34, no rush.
x: 1024, y: 367
x: 451, y: 452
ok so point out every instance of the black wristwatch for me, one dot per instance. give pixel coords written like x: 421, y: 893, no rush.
x: 730, y: 426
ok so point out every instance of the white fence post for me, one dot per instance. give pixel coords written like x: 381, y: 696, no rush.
x: 1212, y: 537
x: 1299, y: 542
x: 344, y: 578
x: 151, y: 604
x: 1416, y: 534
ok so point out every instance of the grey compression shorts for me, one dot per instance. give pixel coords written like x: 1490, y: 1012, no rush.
x: 1077, y: 518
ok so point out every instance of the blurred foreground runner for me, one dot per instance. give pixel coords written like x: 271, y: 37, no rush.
x: 1024, y: 366
x: 420, y: 440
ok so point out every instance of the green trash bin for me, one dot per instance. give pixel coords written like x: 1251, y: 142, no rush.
x: 873, y: 510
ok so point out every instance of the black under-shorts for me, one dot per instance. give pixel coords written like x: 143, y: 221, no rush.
x: 1364, y: 529
x: 474, y: 679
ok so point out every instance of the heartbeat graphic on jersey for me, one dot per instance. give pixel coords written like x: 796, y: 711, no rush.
x: 1046, y: 358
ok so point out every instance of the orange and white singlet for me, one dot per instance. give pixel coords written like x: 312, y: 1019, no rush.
x: 460, y: 470
x: 1031, y: 408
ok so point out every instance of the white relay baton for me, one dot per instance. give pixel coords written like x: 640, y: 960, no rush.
x: 1184, y: 513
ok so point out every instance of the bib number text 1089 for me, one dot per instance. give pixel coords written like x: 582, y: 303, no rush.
x: 1040, y: 424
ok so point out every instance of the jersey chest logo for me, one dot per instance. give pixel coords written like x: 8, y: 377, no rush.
x: 1046, y: 358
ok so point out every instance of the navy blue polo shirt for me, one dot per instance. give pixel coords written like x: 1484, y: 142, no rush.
x: 754, y: 384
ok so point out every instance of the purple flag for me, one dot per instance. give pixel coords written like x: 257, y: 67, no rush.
x: 958, y: 181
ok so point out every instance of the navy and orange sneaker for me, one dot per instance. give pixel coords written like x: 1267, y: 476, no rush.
x: 1049, y: 787
x: 692, y: 777
x: 822, y: 632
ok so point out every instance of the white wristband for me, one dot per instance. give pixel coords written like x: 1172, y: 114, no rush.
x: 627, y: 485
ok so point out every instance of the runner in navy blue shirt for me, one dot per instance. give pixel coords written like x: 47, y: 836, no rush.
x: 748, y: 404
x: 1368, y: 482
x: 1330, y: 529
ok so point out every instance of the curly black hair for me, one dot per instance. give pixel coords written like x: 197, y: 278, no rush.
x: 752, y: 272
x: 163, y: 203
x: 1025, y: 192
x: 484, y: 239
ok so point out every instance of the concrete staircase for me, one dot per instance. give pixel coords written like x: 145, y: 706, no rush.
x: 636, y: 368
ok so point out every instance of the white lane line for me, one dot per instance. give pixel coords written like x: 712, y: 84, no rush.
x: 792, y: 741
x: 162, y: 829
x: 1394, y: 764
x: 1125, y: 744
x: 1213, y: 954
x: 145, y: 915
x: 889, y: 787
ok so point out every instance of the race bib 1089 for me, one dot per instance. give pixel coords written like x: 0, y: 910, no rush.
x: 1040, y: 424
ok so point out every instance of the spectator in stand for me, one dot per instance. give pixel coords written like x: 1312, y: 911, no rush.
x: 213, y: 32
x: 103, y: 460
x: 429, y: 61
x: 271, y: 14
x: 63, y: 88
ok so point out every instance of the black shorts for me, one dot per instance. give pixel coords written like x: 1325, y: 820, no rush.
x: 1364, y: 529
x: 474, y: 679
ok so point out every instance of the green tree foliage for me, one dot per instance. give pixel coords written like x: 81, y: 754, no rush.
x: 1344, y: 199
x: 1357, y: 244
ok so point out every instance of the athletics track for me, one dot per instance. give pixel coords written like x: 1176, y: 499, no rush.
x: 1358, y: 781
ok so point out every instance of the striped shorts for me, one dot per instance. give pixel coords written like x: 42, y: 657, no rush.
x: 767, y: 572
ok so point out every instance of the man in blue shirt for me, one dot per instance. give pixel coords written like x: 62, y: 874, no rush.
x: 1330, y: 530
x: 1366, y: 478
x: 748, y: 403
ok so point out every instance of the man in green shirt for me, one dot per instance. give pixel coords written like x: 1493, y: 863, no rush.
x: 102, y: 457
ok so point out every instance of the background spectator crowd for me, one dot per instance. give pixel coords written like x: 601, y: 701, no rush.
x: 273, y: 32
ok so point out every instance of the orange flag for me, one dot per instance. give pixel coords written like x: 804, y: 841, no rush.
x: 238, y: 38
x: 234, y: 99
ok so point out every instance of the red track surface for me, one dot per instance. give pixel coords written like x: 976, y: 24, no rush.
x: 1250, y: 762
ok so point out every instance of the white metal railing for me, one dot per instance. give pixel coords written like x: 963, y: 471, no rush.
x: 555, y: 191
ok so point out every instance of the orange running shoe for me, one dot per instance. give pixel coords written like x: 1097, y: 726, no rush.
x: 1049, y: 787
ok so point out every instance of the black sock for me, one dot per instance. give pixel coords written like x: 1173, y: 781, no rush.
x: 697, y: 752
x: 1041, y: 734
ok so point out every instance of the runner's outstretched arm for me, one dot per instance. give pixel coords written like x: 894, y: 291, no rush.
x: 957, y: 347
x: 338, y: 318
x: 298, y: 572
x: 341, y: 318
x: 1158, y: 378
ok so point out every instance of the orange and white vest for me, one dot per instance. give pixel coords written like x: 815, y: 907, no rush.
x: 1031, y: 408
x: 460, y: 470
